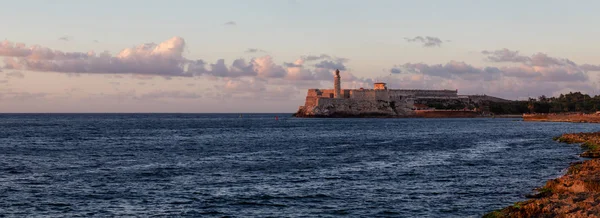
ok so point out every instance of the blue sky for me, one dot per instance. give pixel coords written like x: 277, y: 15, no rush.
x: 367, y: 38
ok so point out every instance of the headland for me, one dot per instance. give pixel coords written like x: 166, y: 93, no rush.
x: 576, y: 194
x: 383, y: 102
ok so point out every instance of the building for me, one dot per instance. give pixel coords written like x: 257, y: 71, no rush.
x: 380, y: 100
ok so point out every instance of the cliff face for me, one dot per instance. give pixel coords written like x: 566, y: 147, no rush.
x: 325, y: 107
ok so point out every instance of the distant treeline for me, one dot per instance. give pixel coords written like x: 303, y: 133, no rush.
x: 445, y: 104
x: 572, y: 102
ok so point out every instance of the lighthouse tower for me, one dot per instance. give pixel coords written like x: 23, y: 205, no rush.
x: 336, y: 85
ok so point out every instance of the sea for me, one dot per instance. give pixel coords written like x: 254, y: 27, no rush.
x: 272, y: 165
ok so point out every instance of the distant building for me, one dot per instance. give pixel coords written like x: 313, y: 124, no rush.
x: 379, y: 86
x: 379, y: 100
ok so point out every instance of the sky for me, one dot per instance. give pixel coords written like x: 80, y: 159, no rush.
x: 243, y: 56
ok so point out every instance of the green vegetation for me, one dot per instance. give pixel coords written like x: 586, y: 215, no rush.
x: 494, y: 214
x: 517, y: 205
x: 572, y: 102
x: 545, y: 191
x: 444, y: 104
x: 568, y: 140
x: 574, y: 169
x: 515, y: 107
x: 590, y: 145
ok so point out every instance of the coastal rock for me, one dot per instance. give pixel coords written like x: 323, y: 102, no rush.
x: 357, y: 108
x: 576, y: 194
x: 563, y: 117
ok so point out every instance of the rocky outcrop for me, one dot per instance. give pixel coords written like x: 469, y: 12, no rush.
x: 355, y: 108
x: 576, y: 194
x: 563, y: 117
x: 328, y: 107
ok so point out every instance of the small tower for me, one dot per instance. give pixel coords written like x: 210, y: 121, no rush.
x: 379, y: 86
x: 336, y: 85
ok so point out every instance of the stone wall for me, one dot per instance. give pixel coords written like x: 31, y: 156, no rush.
x: 372, y: 94
x: 353, y: 107
x: 420, y: 92
x: 328, y: 93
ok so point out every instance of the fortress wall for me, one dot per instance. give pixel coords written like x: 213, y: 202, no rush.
x: 345, y: 93
x: 419, y: 92
x: 311, y: 101
x: 382, y: 95
x: 335, y: 101
x: 312, y: 93
x: 328, y: 93
x: 325, y: 93
x: 369, y: 94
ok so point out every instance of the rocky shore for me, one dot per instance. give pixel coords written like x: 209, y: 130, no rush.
x: 563, y: 117
x: 576, y: 194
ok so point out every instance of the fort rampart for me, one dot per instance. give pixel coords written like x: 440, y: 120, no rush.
x: 380, y: 102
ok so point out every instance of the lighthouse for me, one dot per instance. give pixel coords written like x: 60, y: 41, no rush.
x: 337, y: 89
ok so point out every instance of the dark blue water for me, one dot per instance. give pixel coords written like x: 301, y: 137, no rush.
x: 222, y: 165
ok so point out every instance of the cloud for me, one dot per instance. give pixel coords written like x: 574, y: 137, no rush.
x: 230, y: 23
x: 170, y: 95
x: 540, y: 66
x: 456, y: 69
x: 164, y: 59
x: 427, y: 41
x: 395, y: 71
x: 65, y: 38
x: 22, y: 96
x: 538, y: 59
x: 253, y: 89
x: 15, y: 74
x: 316, y: 57
x: 286, y: 64
x: 263, y: 67
x: 589, y: 67
x: 543, y: 60
x: 452, y: 69
x: 505, y: 55
x: 331, y: 65
x: 254, y: 50
x: 14, y: 50
x: 532, y: 75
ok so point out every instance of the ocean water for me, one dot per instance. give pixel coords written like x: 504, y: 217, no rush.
x: 215, y: 165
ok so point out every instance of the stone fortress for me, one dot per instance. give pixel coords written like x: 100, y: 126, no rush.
x: 383, y: 102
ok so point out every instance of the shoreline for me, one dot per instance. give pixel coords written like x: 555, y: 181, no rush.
x: 574, y: 194
x: 563, y: 117
x: 415, y: 114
